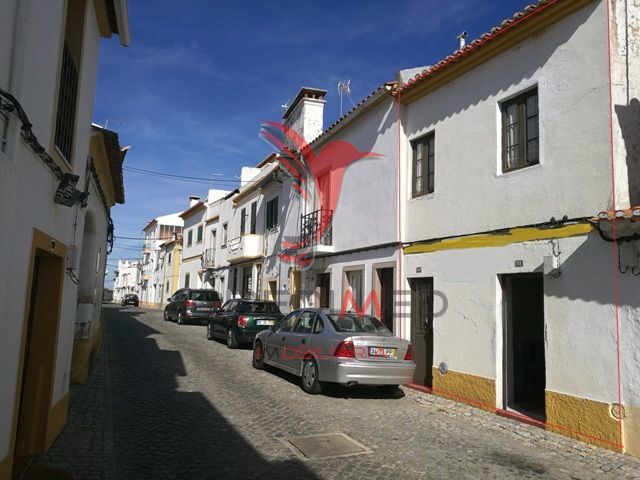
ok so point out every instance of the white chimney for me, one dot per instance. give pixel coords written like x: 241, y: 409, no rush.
x: 306, y: 112
x: 462, y: 39
x: 193, y: 199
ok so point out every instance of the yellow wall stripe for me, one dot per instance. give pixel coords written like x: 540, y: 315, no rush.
x: 514, y: 235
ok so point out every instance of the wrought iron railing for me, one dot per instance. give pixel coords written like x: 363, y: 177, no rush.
x: 209, y: 258
x: 315, y: 228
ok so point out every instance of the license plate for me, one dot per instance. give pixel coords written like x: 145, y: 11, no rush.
x: 383, y: 352
x: 205, y: 309
x: 264, y: 322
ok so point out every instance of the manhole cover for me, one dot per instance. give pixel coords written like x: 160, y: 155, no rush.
x: 325, y: 445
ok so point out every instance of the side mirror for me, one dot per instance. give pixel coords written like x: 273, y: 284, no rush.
x: 168, y: 299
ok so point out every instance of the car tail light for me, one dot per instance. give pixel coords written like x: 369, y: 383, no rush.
x: 345, y: 350
x: 217, y: 304
x: 409, y: 354
x: 189, y: 304
x: 243, y: 320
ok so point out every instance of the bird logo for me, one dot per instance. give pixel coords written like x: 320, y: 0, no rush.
x: 316, y: 177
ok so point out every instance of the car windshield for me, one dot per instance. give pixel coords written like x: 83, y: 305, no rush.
x: 356, y: 323
x: 205, y: 296
x: 259, y: 307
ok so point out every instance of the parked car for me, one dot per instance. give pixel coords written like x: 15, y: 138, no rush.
x: 130, y: 299
x: 239, y: 321
x: 327, y: 346
x: 192, y: 305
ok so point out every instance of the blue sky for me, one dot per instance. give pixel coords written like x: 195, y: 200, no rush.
x: 190, y: 92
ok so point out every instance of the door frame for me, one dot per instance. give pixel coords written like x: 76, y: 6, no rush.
x: 377, y: 288
x: 44, y: 433
x: 506, y: 379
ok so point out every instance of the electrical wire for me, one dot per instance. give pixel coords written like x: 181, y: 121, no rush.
x: 200, y: 180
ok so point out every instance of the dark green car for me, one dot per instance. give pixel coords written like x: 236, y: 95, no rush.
x: 240, y: 320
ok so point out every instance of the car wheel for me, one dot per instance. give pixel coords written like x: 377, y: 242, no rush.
x: 232, y: 341
x: 165, y: 316
x: 258, y: 356
x: 180, y: 319
x: 388, y: 389
x: 209, y: 332
x: 310, y: 382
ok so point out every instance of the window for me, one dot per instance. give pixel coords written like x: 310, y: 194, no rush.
x: 167, y: 288
x: 225, y: 230
x: 186, y: 280
x: 272, y: 213
x: 423, y: 169
x: 199, y: 235
x: 189, y: 238
x: 254, y: 210
x: 520, y: 136
x: 354, y: 279
x: 69, y: 78
x: 243, y: 220
x: 318, y: 327
x: 356, y: 323
x: 286, y: 324
x: 169, y: 259
x: 305, y: 322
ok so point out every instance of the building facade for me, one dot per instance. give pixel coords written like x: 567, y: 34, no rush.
x: 57, y: 240
x: 126, y: 279
x: 156, y: 232
x: 513, y: 305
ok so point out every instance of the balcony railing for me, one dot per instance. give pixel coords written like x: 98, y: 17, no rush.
x: 209, y: 258
x: 315, y: 228
x: 245, y: 247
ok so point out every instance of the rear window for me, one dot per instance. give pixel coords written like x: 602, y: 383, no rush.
x: 204, y: 296
x: 260, y: 307
x: 356, y: 323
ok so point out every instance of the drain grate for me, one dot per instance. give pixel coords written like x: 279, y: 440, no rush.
x: 325, y: 446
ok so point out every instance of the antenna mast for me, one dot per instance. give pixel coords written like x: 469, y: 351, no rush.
x: 344, y: 88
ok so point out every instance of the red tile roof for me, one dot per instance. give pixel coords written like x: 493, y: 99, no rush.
x: 517, y: 18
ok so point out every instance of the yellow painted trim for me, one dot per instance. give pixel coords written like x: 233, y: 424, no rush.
x: 466, y: 388
x: 631, y: 428
x: 586, y: 420
x: 505, y: 41
x: 514, y: 235
x: 57, y: 419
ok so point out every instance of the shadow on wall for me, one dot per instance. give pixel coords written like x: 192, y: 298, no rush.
x: 629, y: 120
x: 588, y: 275
x: 162, y: 432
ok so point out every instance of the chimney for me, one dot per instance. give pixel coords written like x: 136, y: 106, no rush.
x: 462, y: 39
x: 193, y: 199
x: 305, y: 114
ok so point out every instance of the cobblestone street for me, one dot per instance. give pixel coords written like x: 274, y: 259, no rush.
x: 163, y: 402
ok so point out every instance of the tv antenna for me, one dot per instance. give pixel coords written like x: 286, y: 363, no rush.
x: 344, y: 88
x: 106, y: 121
x: 285, y: 106
x: 214, y: 175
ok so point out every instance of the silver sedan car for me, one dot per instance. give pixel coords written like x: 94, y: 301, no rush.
x: 329, y: 346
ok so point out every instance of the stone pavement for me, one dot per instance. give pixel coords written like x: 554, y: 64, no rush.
x: 163, y: 402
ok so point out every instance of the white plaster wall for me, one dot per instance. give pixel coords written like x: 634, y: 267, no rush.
x: 581, y: 356
x: 568, y: 63
x: 367, y: 206
x: 35, y: 78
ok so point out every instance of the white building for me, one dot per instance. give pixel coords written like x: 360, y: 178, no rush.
x: 48, y: 68
x: 127, y: 279
x: 506, y: 159
x: 156, y: 232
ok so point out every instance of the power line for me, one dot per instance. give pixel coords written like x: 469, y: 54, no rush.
x: 200, y: 180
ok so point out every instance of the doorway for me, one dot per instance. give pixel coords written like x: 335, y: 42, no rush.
x: 323, y: 289
x: 34, y: 433
x: 385, y: 286
x: 422, y: 329
x: 524, y: 356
